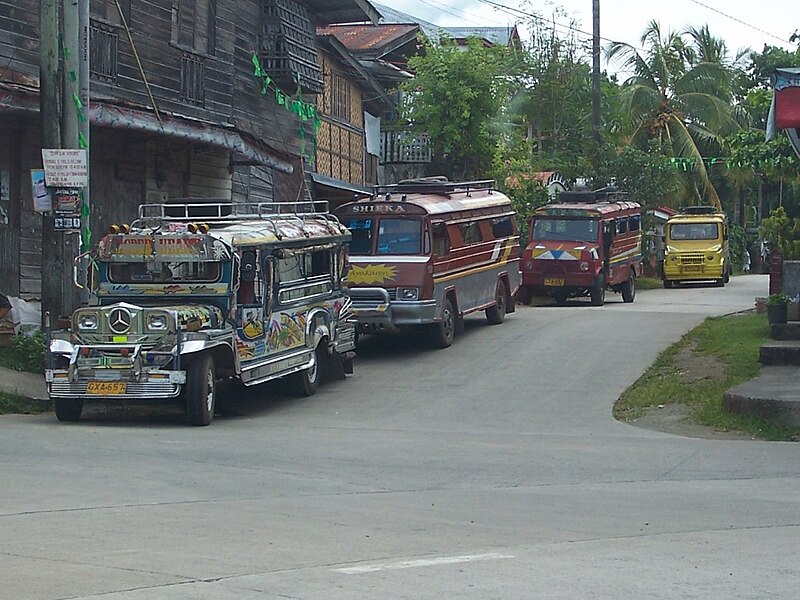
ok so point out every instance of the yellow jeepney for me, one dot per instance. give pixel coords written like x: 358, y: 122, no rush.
x: 696, y: 247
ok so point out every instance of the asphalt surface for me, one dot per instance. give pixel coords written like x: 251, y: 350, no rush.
x: 493, y: 469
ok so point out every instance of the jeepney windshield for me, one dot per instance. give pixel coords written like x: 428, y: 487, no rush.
x: 164, y: 272
x: 565, y: 230
x: 385, y: 235
x: 694, y: 231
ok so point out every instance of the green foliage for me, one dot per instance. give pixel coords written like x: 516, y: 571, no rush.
x: 517, y: 181
x: 737, y: 244
x: 456, y: 97
x: 777, y: 299
x: 646, y: 176
x: 783, y: 232
x: 14, y: 405
x: 774, y: 160
x: 27, y: 353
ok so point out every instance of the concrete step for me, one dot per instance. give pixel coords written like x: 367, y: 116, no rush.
x: 773, y: 395
x: 780, y: 352
x: 785, y: 331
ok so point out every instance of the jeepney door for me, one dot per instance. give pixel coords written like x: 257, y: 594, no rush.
x: 254, y: 304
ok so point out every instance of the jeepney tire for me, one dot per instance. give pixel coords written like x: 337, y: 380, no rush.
x: 560, y: 297
x: 629, y: 288
x: 727, y: 277
x: 306, y: 382
x: 497, y: 314
x: 201, y: 391
x: 667, y: 284
x: 719, y: 282
x: 598, y: 291
x: 525, y: 294
x: 444, y: 331
x: 68, y: 410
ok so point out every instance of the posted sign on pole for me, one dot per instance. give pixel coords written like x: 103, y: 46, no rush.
x: 65, y: 168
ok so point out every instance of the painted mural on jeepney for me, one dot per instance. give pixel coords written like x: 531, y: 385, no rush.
x: 252, y: 323
x: 287, y: 330
x: 172, y: 289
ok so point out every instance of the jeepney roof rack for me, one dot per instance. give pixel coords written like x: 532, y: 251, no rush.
x: 226, y: 211
x: 434, y: 185
x: 698, y: 210
x: 604, y: 194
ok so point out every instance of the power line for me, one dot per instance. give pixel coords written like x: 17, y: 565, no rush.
x: 732, y: 18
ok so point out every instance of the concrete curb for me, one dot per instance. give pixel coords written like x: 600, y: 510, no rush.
x: 773, y: 396
x: 23, y: 384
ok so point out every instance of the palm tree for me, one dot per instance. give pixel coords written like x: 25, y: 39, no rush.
x: 679, y: 95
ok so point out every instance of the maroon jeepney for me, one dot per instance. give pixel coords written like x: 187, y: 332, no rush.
x: 427, y: 252
x: 582, y: 245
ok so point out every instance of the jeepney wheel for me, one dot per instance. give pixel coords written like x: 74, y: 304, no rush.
x: 201, y: 391
x: 306, y: 382
x: 525, y: 294
x: 667, y: 284
x: 560, y: 296
x: 629, y: 288
x: 598, y: 292
x: 727, y: 277
x: 444, y: 331
x: 68, y: 410
x: 496, y: 314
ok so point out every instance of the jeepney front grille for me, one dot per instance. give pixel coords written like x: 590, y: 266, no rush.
x: 691, y: 259
x: 133, y: 390
x: 553, y: 267
x: 371, y: 297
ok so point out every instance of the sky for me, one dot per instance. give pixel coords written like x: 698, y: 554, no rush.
x: 741, y: 23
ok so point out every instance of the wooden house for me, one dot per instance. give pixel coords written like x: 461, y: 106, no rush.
x: 178, y: 108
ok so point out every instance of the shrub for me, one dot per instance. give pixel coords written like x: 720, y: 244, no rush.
x: 30, y: 351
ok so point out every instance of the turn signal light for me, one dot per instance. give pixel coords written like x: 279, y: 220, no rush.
x: 198, y: 227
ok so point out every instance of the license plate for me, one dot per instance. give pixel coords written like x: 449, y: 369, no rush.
x: 554, y: 282
x: 105, y: 388
x: 692, y: 268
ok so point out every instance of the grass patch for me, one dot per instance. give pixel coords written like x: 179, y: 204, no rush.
x: 649, y: 283
x: 717, y: 355
x: 14, y: 405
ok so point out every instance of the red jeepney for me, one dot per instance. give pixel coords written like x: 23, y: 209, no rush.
x: 583, y: 245
x: 427, y: 252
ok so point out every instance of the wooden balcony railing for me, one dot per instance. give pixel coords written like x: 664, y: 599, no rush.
x: 403, y: 147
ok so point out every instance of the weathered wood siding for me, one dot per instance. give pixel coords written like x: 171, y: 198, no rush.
x: 19, y: 36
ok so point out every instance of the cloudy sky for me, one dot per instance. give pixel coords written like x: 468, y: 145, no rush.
x: 741, y: 23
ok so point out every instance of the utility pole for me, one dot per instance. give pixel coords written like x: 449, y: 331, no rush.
x: 52, y: 256
x: 83, y: 79
x: 596, y: 74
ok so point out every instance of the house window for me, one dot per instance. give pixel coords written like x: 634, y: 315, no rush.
x: 339, y: 90
x: 194, y: 25
x: 193, y: 70
x: 103, y: 51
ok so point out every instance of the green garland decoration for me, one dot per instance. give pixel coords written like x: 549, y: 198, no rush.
x: 305, y: 111
x: 83, y: 144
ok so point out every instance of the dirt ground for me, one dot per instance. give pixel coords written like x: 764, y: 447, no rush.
x: 675, y: 418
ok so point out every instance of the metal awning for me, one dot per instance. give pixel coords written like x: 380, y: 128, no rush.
x: 191, y: 130
x: 331, y: 188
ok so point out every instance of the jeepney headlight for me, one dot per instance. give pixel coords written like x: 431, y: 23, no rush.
x: 673, y: 258
x: 584, y: 266
x: 87, y: 322
x: 407, y: 293
x: 157, y: 322
x: 710, y: 257
x: 529, y: 265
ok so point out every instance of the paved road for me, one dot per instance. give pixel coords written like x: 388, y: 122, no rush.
x: 490, y: 470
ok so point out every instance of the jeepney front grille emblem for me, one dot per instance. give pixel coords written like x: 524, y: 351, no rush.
x: 119, y: 320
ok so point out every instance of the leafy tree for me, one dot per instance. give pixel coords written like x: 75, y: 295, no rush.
x: 647, y: 177
x: 782, y: 232
x: 678, y: 100
x: 456, y: 97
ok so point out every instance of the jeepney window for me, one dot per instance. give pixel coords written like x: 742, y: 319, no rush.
x: 291, y: 268
x: 693, y: 231
x: 320, y: 263
x: 565, y: 230
x: 470, y: 233
x: 622, y: 225
x: 502, y: 227
x: 164, y: 272
x: 635, y: 222
x: 399, y: 236
x: 361, y: 230
x: 441, y: 243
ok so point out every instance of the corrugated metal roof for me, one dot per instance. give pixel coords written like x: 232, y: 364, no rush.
x: 361, y: 38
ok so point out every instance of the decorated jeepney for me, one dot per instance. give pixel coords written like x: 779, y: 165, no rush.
x: 192, y: 293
